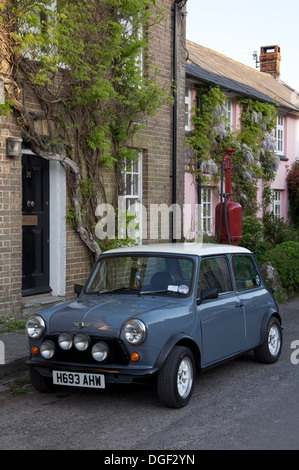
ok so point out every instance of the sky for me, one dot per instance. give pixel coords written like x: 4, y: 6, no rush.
x: 237, y: 28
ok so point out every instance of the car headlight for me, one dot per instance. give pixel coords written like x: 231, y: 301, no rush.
x: 65, y: 341
x: 35, y: 326
x: 47, y: 349
x: 81, y: 342
x: 135, y: 331
x: 99, y: 351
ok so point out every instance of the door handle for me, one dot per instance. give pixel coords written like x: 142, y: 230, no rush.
x: 239, y: 305
x: 30, y: 203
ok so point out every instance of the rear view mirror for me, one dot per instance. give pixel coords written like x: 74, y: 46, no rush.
x: 207, y: 294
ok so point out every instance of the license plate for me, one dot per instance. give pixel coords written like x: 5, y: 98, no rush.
x: 78, y: 379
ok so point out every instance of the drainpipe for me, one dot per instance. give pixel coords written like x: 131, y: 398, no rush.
x: 198, y: 159
x: 175, y: 107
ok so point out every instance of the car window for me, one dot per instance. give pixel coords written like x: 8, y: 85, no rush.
x: 142, y: 274
x: 214, y: 273
x: 245, y: 272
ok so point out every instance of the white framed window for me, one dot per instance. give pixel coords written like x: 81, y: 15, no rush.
x: 129, y: 30
x: 279, y: 135
x: 133, y: 195
x: 206, y: 210
x: 277, y: 203
x: 44, y: 15
x: 188, y: 108
x: 228, y: 113
x: 133, y: 182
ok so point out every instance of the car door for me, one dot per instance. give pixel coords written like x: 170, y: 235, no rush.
x: 222, y: 319
x: 252, y: 295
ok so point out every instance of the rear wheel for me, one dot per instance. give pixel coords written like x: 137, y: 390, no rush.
x: 269, y: 351
x: 176, y: 378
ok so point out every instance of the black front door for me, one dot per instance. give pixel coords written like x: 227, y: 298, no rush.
x: 35, y: 223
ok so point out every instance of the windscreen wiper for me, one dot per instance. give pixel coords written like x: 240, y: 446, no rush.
x: 162, y: 291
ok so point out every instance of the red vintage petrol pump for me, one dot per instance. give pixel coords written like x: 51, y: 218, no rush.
x: 228, y: 213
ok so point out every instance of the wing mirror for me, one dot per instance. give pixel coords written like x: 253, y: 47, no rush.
x: 207, y: 294
x: 78, y: 289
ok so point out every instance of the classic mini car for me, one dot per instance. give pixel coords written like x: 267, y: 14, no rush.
x: 156, y: 311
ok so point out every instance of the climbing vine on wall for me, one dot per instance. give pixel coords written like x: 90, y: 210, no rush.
x: 87, y: 66
x: 255, y: 156
x: 293, y: 186
x: 211, y: 133
x: 254, y: 142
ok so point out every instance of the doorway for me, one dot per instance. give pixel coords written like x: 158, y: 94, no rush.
x: 35, y: 222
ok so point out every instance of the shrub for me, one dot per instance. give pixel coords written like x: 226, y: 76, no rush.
x: 277, y: 231
x: 285, y: 258
x: 253, y: 236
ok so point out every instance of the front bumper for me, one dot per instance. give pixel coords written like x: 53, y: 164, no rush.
x: 122, y: 374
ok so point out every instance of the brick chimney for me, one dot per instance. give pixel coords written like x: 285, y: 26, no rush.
x: 270, y: 60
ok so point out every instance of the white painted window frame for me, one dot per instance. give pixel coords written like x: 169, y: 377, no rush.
x: 133, y: 196
x: 279, y: 134
x: 207, y: 210
x: 229, y: 111
x: 277, y: 203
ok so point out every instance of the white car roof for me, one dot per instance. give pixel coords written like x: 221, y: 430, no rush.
x: 199, y: 249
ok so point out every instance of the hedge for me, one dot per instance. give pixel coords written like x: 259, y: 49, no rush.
x: 285, y: 259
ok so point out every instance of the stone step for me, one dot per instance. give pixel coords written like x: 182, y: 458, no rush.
x: 33, y: 304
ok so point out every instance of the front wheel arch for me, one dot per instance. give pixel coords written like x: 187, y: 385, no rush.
x: 179, y: 339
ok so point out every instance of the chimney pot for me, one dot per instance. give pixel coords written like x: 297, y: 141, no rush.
x: 270, y: 60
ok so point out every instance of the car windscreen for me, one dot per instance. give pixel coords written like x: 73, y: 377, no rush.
x: 142, y: 275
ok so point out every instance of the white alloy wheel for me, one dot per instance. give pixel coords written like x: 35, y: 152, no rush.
x: 185, y: 377
x: 274, y: 341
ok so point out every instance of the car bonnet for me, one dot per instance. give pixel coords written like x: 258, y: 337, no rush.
x: 104, y: 315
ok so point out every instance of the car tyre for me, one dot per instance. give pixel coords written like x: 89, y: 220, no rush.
x: 40, y: 383
x: 269, y: 351
x: 176, y: 378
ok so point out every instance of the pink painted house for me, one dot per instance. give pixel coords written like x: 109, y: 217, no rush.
x: 236, y: 80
